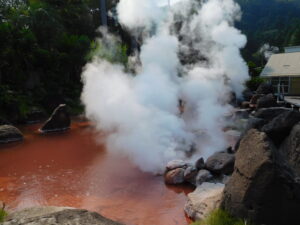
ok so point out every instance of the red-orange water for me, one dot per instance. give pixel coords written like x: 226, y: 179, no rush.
x: 71, y: 170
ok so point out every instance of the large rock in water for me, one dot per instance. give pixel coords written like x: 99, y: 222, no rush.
x: 175, y: 176
x: 204, y: 200
x: 59, y: 120
x: 220, y: 163
x: 279, y: 128
x: 263, y: 187
x: 57, y: 216
x: 9, y: 134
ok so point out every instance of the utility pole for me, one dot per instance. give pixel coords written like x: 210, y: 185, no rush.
x: 103, y: 12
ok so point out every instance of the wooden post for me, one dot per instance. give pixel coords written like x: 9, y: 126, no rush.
x: 103, y: 12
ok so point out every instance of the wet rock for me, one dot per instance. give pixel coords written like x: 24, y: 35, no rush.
x: 220, y: 163
x: 279, y: 128
x: 266, y: 101
x: 203, y: 176
x: 270, y: 113
x: 174, y: 164
x: 264, y: 89
x: 9, y: 134
x: 59, y: 120
x: 255, y: 123
x: 57, y: 216
x: 262, y: 188
x: 175, y: 176
x: 200, y: 164
x: 203, y: 200
x: 290, y: 148
x: 190, y: 174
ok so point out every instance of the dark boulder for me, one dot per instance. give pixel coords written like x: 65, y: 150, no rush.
x: 266, y: 101
x: 262, y: 187
x: 245, y: 105
x: 253, y: 122
x: 9, y: 134
x: 220, y: 163
x: 264, y: 89
x: 269, y: 113
x: 279, y: 128
x: 175, y: 176
x: 247, y: 94
x: 200, y: 164
x: 254, y: 99
x: 59, y: 120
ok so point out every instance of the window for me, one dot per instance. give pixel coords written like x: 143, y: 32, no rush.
x: 281, y: 84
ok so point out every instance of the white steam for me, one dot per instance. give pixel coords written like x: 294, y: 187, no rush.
x: 197, y: 61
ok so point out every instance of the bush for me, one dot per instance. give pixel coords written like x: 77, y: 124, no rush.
x: 254, y: 83
x: 221, y: 217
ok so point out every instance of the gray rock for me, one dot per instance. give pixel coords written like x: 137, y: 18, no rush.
x: 9, y: 134
x: 175, y: 176
x: 203, y: 200
x: 203, y: 176
x: 59, y: 120
x: 290, y: 148
x: 266, y: 101
x: 174, y: 164
x: 190, y: 174
x: 279, y: 128
x: 220, y: 163
x: 262, y: 187
x: 57, y: 216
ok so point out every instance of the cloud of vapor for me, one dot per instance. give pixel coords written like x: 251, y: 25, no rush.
x: 193, y: 56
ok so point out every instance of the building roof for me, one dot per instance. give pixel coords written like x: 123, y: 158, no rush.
x: 285, y: 64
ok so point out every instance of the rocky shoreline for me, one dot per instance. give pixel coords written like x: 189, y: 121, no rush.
x: 257, y: 180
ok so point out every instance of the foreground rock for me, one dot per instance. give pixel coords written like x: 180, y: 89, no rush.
x: 204, y: 200
x: 220, y: 163
x: 57, y: 216
x: 9, y: 134
x: 59, y: 121
x: 263, y: 187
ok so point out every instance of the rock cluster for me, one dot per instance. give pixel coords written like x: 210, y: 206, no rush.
x: 265, y: 187
x: 213, y: 170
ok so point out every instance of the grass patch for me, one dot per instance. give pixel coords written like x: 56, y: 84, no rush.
x: 221, y: 217
x: 3, y: 214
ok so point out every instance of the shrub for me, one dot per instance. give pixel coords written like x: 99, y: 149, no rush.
x: 254, y: 82
x: 221, y: 217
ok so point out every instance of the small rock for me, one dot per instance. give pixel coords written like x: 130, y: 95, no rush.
x: 203, y: 176
x: 174, y: 164
x: 206, y: 198
x: 200, y: 164
x: 220, y: 163
x: 59, y: 120
x: 9, y: 134
x: 190, y: 174
x: 175, y: 176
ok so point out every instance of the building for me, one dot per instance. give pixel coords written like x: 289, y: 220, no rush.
x: 283, y: 71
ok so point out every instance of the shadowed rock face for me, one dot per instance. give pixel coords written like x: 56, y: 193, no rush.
x: 263, y: 187
x: 57, y: 216
x: 59, y: 121
x: 9, y: 134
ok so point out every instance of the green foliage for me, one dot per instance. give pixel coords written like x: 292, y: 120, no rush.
x: 3, y: 214
x: 221, y: 217
x: 254, y: 82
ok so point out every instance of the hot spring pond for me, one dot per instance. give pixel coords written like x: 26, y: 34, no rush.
x: 70, y: 169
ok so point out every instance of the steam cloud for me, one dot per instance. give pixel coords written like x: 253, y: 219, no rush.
x: 191, y: 52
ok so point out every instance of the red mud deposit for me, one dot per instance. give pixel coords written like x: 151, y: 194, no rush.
x: 69, y: 169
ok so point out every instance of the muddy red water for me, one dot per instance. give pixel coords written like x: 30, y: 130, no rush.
x: 71, y: 170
